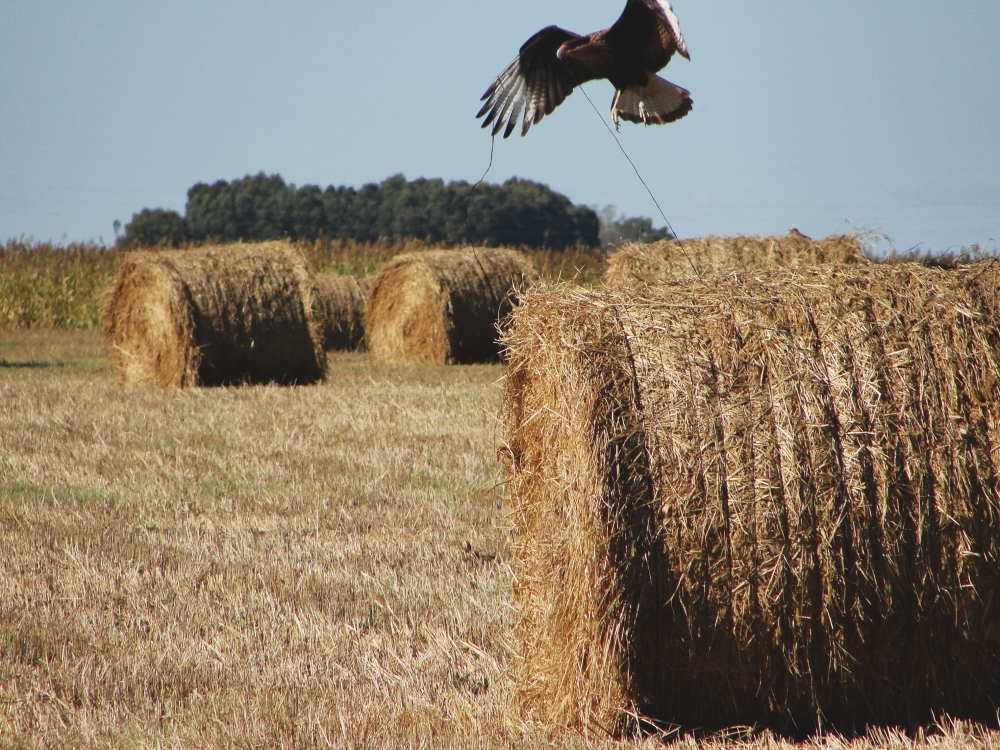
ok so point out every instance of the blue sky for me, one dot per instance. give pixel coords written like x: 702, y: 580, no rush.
x: 882, y: 116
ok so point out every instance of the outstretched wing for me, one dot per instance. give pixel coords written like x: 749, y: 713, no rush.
x: 652, y: 30
x: 537, y: 82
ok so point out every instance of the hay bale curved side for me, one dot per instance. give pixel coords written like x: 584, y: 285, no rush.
x: 214, y: 316
x: 638, y: 263
x: 339, y: 309
x: 750, y: 502
x: 443, y: 306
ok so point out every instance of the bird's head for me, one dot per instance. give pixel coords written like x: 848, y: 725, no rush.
x: 575, y: 49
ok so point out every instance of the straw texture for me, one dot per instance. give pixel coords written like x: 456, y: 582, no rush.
x: 669, y: 259
x: 214, y: 316
x: 339, y: 309
x: 768, y: 501
x: 443, y: 306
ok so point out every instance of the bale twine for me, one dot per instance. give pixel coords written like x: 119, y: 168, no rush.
x: 670, y: 259
x: 757, y: 501
x: 214, y: 316
x: 443, y: 306
x: 339, y: 309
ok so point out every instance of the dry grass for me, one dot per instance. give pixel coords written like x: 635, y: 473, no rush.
x: 350, y: 258
x: 250, y: 566
x: 262, y: 566
x: 583, y: 266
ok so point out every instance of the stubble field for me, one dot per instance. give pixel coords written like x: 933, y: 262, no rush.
x: 261, y: 566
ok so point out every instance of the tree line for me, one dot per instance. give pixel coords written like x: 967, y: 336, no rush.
x: 264, y: 207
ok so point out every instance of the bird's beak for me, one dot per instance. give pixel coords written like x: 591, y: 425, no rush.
x: 561, y: 52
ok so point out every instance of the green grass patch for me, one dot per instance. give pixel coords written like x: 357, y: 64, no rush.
x: 33, y: 363
x: 28, y: 492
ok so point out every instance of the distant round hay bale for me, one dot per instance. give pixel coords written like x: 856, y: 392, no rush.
x: 214, y: 316
x: 767, y: 502
x: 670, y: 259
x: 443, y: 306
x: 339, y: 309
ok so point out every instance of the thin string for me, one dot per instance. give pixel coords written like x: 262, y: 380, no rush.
x: 468, y: 202
x: 680, y: 243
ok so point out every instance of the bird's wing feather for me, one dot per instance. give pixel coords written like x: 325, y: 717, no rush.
x: 670, y: 25
x: 537, y: 81
x: 652, y: 29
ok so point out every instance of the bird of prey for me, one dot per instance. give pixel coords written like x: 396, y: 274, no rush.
x: 628, y: 54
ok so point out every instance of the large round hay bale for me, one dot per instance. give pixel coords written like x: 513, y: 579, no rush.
x: 758, y: 501
x: 214, y: 316
x: 339, y: 309
x: 670, y: 259
x: 443, y: 306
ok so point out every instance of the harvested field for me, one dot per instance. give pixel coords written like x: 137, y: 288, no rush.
x: 669, y: 259
x: 758, y: 501
x: 255, y: 566
x: 214, y: 316
x: 443, y: 306
x: 266, y: 567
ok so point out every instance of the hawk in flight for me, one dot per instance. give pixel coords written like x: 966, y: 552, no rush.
x: 628, y: 54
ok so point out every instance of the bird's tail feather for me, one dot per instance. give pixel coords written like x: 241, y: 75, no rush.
x: 658, y: 102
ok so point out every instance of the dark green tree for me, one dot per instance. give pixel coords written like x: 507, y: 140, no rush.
x: 522, y: 212
x: 211, y: 213
x: 421, y: 208
x: 153, y: 226
x: 366, y: 211
x: 255, y: 208
x: 263, y: 207
x: 338, y: 210
x: 518, y: 212
x: 307, y: 213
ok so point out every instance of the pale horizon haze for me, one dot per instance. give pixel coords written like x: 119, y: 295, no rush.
x: 830, y: 117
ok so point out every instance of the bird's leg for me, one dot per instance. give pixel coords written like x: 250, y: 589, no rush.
x: 642, y: 106
x: 614, y: 110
